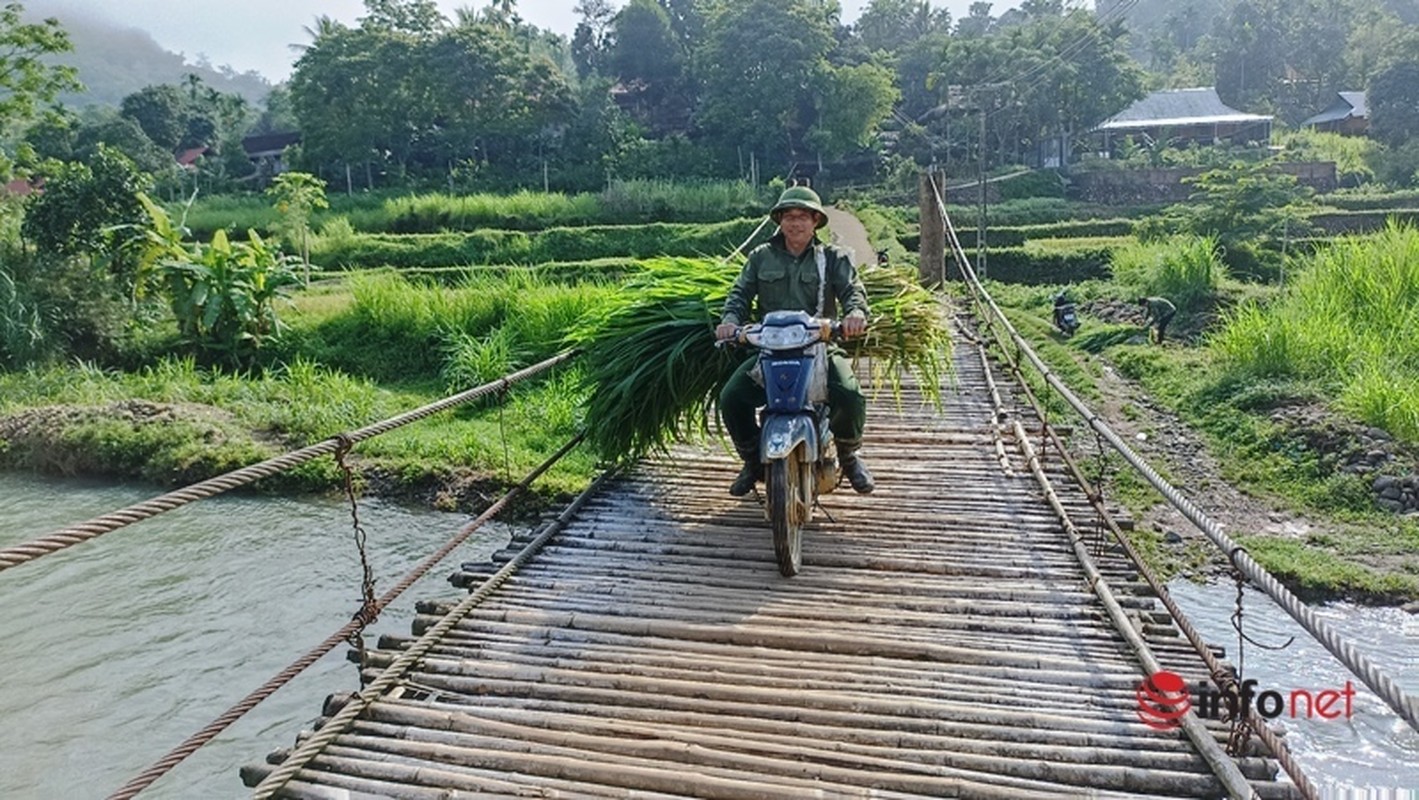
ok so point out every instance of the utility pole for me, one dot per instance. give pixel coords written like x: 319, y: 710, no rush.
x: 980, y: 226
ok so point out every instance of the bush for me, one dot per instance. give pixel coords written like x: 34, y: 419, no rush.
x: 1032, y: 266
x: 1398, y: 166
x: 1249, y: 208
x: 1347, y: 321
x: 52, y: 308
x: 552, y: 245
x: 1184, y: 269
x: 1372, y: 200
x: 1014, y: 235
x: 1037, y: 183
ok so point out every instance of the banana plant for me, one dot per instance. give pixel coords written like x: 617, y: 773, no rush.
x: 223, y: 294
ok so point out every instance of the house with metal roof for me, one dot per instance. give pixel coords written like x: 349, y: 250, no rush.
x: 1348, y: 114
x: 1183, y: 116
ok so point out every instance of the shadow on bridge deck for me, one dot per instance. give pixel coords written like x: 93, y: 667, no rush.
x: 941, y: 640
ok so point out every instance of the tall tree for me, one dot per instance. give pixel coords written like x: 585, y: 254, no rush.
x: 892, y: 25
x: 758, y: 64
x: 493, y: 94
x: 1393, y: 98
x: 162, y: 112
x: 591, y: 41
x: 978, y: 22
x: 27, y: 79
x: 418, y: 18
x: 851, y: 103
x: 1281, y: 55
x: 649, y: 63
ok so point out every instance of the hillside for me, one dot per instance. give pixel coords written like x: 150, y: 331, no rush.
x: 115, y: 61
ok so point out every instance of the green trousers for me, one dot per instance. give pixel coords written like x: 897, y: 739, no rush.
x: 741, y: 399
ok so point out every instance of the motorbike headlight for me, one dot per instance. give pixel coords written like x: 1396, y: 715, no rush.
x: 784, y: 338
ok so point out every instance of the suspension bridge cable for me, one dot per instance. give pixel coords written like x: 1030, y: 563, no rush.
x: 74, y: 534
x: 189, y: 746
x: 337, y: 724
x: 1403, y: 704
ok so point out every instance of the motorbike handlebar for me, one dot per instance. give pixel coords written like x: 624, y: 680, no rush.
x: 834, y: 330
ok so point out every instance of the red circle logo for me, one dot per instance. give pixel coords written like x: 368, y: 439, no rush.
x: 1162, y: 700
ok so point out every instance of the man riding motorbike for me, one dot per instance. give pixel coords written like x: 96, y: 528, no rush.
x: 795, y: 271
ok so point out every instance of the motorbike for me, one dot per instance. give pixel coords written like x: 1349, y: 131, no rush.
x: 1065, y: 319
x: 800, y: 459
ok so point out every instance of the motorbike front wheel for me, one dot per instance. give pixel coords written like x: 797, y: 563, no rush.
x: 790, y: 487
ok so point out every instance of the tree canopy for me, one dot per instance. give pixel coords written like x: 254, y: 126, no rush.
x: 406, y: 95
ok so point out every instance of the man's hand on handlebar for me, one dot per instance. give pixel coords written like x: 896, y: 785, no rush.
x: 853, y: 326
x: 725, y: 331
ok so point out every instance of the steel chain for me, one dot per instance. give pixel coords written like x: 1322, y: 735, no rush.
x: 369, y: 605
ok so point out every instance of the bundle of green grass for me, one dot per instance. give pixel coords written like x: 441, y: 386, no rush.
x: 653, y: 371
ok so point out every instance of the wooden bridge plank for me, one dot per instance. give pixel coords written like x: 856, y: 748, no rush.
x: 941, y: 640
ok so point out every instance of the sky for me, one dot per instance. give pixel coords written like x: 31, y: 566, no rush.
x: 256, y: 35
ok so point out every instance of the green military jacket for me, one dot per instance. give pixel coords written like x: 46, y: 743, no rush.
x: 1158, y: 309
x: 781, y: 282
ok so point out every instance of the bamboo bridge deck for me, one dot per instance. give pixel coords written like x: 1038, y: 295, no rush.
x: 942, y: 640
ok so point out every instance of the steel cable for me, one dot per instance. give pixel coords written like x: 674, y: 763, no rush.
x: 1223, y: 767
x: 1354, y: 660
x: 189, y: 746
x: 337, y: 724
x: 1219, y: 674
x: 75, y: 534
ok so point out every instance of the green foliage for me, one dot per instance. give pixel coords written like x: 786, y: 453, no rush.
x: 473, y: 359
x: 651, y: 369
x: 1033, y: 264
x: 1185, y: 269
x: 224, y: 294
x: 659, y: 200
x: 1016, y: 235
x: 622, y: 202
x: 400, y: 329
x: 852, y: 102
x: 1398, y: 166
x: 756, y: 65
x: 1245, y: 207
x: 1079, y: 75
x: 81, y: 205
x: 1352, y: 154
x: 551, y: 245
x: 1315, y: 572
x: 1035, y: 183
x: 414, y: 101
x: 1344, y: 322
x: 24, y: 336
x: 1370, y: 197
x: 1393, y: 100
x: 27, y: 79
x: 297, y: 195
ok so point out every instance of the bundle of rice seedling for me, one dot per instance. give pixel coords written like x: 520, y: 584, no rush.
x: 654, y: 372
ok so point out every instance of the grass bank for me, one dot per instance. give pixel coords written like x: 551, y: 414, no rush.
x: 1304, y: 393
x: 357, y: 352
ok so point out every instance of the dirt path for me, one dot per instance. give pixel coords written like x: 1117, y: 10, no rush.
x: 847, y: 231
x: 1168, y: 443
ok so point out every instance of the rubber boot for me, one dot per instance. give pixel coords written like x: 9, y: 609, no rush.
x: 752, y: 472
x: 853, y: 468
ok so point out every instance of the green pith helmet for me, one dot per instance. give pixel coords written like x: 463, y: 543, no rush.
x: 799, y: 197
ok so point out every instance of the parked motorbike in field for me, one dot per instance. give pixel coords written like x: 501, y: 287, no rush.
x: 1065, y: 317
x: 795, y: 443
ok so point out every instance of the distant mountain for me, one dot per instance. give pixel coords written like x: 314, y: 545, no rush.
x: 115, y: 61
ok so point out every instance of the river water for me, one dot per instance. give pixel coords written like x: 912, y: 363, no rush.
x: 116, y: 650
